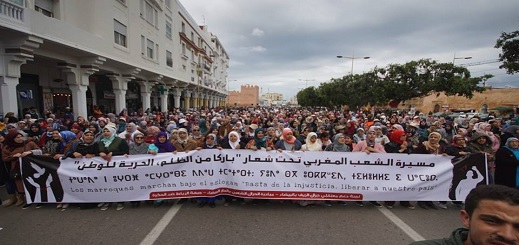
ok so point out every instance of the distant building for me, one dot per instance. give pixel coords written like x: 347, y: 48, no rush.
x: 247, y: 96
x: 270, y: 99
x: 490, y: 100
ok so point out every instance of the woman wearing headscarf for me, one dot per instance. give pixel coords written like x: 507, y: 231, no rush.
x: 137, y: 146
x: 288, y: 141
x: 369, y: 145
x: 127, y: 134
x: 311, y: 143
x: 209, y: 143
x: 431, y: 146
x: 458, y: 147
x: 338, y: 144
x: 10, y: 186
x: 111, y: 146
x: 260, y: 141
x: 184, y: 142
x: 509, y: 132
x: 486, y: 128
x: 151, y: 134
x: 86, y: 147
x: 14, y: 148
x: 161, y: 145
x: 94, y: 129
x: 359, y: 136
x: 507, y: 161
x: 481, y: 143
x: 55, y: 147
x: 232, y: 141
x: 397, y: 144
x: 34, y: 133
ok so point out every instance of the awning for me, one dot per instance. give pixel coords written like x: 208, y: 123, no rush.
x: 502, y: 108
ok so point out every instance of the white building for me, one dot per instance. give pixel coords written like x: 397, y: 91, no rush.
x: 134, y: 54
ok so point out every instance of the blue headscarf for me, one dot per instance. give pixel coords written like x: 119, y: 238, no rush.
x: 67, y: 136
x: 260, y: 143
x: 515, y: 151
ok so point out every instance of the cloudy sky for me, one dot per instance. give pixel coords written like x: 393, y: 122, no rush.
x: 284, y: 46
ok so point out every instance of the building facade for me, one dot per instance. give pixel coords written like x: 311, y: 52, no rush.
x: 134, y: 54
x: 247, y: 96
x: 490, y: 99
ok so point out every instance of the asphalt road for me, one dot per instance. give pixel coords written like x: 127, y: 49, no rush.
x: 274, y: 223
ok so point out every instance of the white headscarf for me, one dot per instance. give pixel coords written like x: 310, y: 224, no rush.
x: 316, y: 146
x: 237, y: 142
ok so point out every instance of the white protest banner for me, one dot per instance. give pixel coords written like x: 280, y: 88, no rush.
x: 254, y: 174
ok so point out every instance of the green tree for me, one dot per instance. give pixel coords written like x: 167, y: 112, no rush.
x: 509, y: 45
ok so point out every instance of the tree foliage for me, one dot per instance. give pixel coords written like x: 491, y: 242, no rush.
x: 396, y: 82
x: 509, y: 45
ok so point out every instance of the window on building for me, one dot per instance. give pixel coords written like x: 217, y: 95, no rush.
x: 168, y: 3
x: 119, y: 33
x: 150, y: 46
x: 169, y: 58
x: 45, y: 7
x: 149, y: 13
x: 184, y: 51
x: 192, y: 37
x: 168, y: 30
x: 143, y: 45
x: 183, y: 28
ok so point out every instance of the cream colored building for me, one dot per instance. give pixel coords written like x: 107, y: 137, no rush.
x: 270, y: 99
x: 134, y: 54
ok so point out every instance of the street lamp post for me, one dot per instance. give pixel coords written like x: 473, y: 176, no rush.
x: 307, y: 80
x: 352, y: 58
x: 228, y: 89
x: 460, y: 58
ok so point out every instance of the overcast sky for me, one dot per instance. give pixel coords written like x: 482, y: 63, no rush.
x: 277, y: 45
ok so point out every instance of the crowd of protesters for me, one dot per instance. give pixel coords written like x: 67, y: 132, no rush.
x: 257, y: 128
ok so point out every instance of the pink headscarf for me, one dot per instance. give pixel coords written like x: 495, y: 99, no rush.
x: 285, y: 138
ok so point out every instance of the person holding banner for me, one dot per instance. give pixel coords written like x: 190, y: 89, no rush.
x: 260, y: 141
x: 311, y: 144
x: 397, y: 144
x: 183, y: 142
x: 137, y: 146
x: 86, y: 147
x: 482, y: 143
x: 431, y: 146
x: 507, y: 162
x: 288, y: 141
x: 210, y: 143
x: 10, y: 186
x: 15, y: 147
x: 110, y: 146
x: 232, y: 141
x: 369, y: 146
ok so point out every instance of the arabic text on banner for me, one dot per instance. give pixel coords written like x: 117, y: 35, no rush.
x: 253, y: 174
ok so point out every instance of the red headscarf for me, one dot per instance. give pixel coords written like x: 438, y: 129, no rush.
x: 395, y: 136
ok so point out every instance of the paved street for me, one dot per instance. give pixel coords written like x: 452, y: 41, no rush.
x: 274, y: 223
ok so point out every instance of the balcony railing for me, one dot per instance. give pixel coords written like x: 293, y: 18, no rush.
x: 10, y: 10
